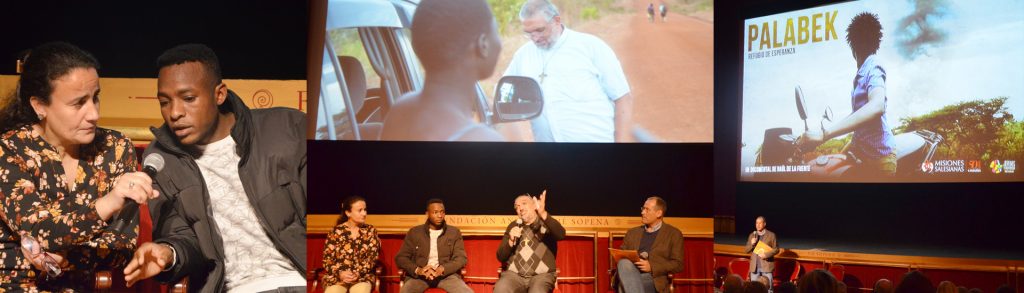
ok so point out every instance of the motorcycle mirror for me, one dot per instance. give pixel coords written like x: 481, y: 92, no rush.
x: 828, y: 114
x: 801, y: 105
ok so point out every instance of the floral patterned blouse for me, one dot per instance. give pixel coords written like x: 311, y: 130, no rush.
x: 37, y: 199
x: 343, y: 253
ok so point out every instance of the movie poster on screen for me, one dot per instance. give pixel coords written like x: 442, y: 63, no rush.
x: 940, y: 100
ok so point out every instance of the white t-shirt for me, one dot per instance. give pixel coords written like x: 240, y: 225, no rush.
x: 582, y: 80
x: 432, y: 260
x: 251, y: 262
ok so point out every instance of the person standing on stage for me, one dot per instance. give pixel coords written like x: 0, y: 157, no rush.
x: 529, y: 247
x: 762, y: 262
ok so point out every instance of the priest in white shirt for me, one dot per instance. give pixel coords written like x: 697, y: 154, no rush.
x: 586, y: 95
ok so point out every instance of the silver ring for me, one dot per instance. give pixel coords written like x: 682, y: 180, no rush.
x: 131, y: 184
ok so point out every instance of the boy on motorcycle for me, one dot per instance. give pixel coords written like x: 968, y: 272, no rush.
x: 872, y: 138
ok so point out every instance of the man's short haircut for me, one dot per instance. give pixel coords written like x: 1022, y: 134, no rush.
x: 532, y: 7
x: 733, y: 284
x: 915, y: 281
x: 864, y: 34
x: 443, y: 29
x: 660, y: 204
x: 882, y: 286
x: 786, y: 287
x: 755, y: 286
x: 946, y: 287
x: 192, y: 53
x: 522, y: 195
x: 818, y: 281
x: 433, y: 201
x: 761, y: 218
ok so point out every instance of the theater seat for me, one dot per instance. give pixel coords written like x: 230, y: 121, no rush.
x: 740, y: 266
x: 114, y: 280
x: 786, y: 270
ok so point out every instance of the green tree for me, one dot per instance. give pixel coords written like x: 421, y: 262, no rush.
x: 1010, y: 144
x: 971, y: 129
x: 506, y: 13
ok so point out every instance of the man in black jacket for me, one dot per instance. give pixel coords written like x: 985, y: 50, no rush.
x: 231, y: 215
x: 433, y: 254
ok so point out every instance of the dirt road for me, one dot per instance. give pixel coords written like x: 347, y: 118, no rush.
x: 669, y: 66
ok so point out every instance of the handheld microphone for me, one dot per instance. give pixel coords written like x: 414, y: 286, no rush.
x: 644, y: 255
x: 519, y: 223
x: 152, y: 164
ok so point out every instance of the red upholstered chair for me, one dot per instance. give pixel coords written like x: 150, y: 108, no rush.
x: 837, y: 270
x: 314, y: 278
x: 740, y: 266
x: 113, y: 279
x: 786, y: 270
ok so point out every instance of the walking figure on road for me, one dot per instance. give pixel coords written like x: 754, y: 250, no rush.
x: 650, y: 12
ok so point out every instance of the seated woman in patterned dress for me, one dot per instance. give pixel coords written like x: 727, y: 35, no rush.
x: 351, y: 251
x: 63, y: 180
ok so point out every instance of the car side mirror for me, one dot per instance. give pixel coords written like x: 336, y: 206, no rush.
x: 517, y: 98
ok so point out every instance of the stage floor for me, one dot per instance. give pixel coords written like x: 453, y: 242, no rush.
x: 880, y: 248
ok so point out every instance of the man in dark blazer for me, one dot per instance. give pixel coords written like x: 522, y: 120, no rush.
x: 762, y: 263
x: 433, y: 254
x: 660, y: 246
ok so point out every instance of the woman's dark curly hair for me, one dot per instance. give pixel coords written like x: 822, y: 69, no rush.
x: 346, y: 206
x: 42, y: 66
